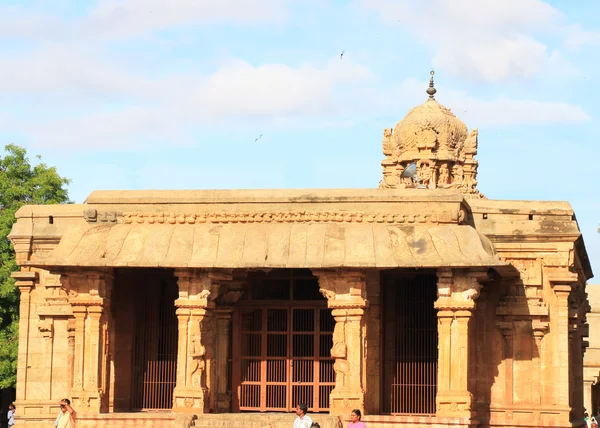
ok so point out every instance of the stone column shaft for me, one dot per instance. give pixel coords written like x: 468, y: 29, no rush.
x: 456, y: 303
x: 25, y: 282
x: 90, y: 301
x: 345, y: 291
x: 196, y: 369
x: 223, y: 399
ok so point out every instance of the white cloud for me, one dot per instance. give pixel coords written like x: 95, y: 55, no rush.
x: 487, y: 40
x: 576, y: 37
x: 137, y: 109
x: 125, y: 19
x: 500, y: 111
x: 129, y: 18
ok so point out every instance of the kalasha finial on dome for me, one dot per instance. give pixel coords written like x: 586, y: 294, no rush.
x: 431, y: 90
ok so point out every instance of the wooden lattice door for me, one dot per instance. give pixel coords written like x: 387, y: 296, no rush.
x: 284, y: 358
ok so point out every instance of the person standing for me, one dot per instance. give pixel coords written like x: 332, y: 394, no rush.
x: 67, y: 415
x: 12, y: 411
x: 355, y: 420
x: 302, y: 419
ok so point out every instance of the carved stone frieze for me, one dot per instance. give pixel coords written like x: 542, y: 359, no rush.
x: 290, y: 217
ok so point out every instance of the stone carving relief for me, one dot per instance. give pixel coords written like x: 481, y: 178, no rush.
x: 339, y: 352
x: 431, y: 136
x: 197, y: 362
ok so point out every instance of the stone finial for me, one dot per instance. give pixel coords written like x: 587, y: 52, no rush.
x: 431, y: 90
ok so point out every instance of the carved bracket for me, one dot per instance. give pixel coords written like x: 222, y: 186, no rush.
x: 343, y: 288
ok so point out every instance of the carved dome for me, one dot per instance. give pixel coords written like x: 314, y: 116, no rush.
x: 438, y: 143
x: 430, y: 126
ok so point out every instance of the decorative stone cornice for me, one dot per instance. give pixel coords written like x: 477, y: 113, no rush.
x: 447, y: 217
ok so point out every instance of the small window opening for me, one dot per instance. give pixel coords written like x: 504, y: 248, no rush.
x: 530, y: 216
x: 485, y: 216
x: 51, y: 219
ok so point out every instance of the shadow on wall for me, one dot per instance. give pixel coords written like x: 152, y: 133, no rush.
x: 7, y: 396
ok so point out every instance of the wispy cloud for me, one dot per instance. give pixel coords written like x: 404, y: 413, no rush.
x: 483, y: 40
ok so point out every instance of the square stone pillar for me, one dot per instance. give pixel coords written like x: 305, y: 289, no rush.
x: 345, y: 291
x: 223, y: 398
x: 25, y: 283
x: 457, y: 292
x: 196, y: 364
x: 89, y: 295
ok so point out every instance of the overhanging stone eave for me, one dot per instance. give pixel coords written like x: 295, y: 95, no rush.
x: 264, y: 246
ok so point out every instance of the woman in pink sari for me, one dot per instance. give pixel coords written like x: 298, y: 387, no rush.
x: 355, y: 421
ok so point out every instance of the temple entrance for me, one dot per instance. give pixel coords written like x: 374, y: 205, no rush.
x: 282, y: 344
x: 146, y: 339
x: 410, y: 338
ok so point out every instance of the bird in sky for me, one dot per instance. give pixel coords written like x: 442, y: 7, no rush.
x: 258, y: 138
x: 342, y: 54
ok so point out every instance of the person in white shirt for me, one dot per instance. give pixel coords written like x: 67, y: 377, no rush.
x: 302, y: 419
x: 11, y: 415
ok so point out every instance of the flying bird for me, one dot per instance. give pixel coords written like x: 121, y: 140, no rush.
x: 258, y: 138
x: 342, y: 54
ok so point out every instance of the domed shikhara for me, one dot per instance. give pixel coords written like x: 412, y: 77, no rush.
x: 431, y: 136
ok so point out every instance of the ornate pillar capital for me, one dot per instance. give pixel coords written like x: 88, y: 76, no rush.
x: 458, y: 290
x: 343, y: 288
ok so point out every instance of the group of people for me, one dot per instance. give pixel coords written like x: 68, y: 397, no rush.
x: 304, y: 421
x: 65, y: 418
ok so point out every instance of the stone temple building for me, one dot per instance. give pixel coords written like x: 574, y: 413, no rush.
x: 591, y: 361
x: 420, y: 302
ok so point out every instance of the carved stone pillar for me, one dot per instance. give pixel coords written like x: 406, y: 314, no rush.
x: 196, y: 368
x: 223, y: 398
x: 89, y: 295
x: 457, y: 292
x: 345, y: 291
x: 25, y: 283
x: 562, y: 290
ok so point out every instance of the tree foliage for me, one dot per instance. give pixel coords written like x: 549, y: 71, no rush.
x: 21, y: 183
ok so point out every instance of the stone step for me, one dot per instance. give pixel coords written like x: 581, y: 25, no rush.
x: 260, y: 420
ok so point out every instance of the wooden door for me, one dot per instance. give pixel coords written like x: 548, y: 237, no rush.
x: 284, y: 358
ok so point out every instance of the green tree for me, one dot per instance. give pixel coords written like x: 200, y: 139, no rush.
x: 20, y: 183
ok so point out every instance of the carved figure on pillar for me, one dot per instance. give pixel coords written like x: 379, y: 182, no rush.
x: 339, y: 352
x: 198, y: 290
x: 345, y: 291
x: 197, y: 362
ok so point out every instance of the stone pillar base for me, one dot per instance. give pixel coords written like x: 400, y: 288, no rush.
x: 87, y: 401
x: 223, y: 403
x: 188, y: 400
x: 452, y: 405
x: 343, y: 402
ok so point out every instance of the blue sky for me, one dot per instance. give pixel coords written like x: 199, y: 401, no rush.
x: 157, y: 94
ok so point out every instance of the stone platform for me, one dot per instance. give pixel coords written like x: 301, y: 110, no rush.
x: 260, y: 420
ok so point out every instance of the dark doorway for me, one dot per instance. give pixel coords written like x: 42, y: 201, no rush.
x: 410, y: 344
x: 146, y: 339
